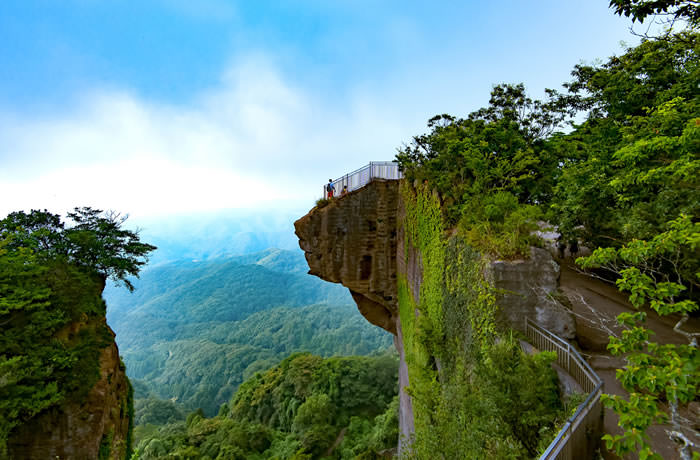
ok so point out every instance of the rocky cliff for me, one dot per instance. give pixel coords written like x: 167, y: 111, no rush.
x: 353, y: 241
x: 527, y: 288
x: 359, y: 240
x: 93, y: 419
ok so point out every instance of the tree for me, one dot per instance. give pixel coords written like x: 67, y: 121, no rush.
x: 633, y: 165
x: 653, y: 272
x: 51, y: 276
x: 644, y: 76
x: 95, y: 241
x: 674, y: 10
x: 491, y: 169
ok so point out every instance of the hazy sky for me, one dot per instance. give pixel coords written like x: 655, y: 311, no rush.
x: 167, y: 107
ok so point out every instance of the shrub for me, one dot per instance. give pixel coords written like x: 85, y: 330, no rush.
x: 322, y: 202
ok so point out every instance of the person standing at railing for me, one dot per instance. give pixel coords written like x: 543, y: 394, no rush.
x: 330, y: 189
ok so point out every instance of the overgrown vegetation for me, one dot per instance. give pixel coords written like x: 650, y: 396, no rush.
x: 633, y: 164
x: 51, y: 277
x: 466, y: 374
x: 624, y: 172
x: 626, y: 178
x: 94, y: 241
x: 322, y: 202
x: 491, y: 168
x: 654, y: 373
x: 306, y: 407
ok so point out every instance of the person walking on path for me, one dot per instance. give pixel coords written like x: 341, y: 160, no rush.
x: 330, y: 189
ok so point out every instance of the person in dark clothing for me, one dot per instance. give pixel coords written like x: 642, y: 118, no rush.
x: 561, y: 246
x: 573, y: 247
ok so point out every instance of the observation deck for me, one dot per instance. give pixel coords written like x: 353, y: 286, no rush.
x: 357, y: 179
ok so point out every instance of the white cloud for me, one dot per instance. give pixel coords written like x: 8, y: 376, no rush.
x: 254, y: 141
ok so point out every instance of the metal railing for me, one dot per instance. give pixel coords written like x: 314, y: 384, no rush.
x: 580, y: 435
x: 363, y: 176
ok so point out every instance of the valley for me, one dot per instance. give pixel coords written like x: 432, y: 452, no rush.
x: 192, y: 332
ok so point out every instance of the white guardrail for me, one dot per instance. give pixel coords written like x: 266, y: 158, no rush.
x: 580, y: 435
x: 363, y: 176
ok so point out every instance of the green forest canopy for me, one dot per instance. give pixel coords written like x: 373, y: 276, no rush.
x: 95, y: 241
x: 298, y: 409
x: 193, y: 331
x: 629, y: 168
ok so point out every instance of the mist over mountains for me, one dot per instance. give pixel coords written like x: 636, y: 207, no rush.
x: 206, y: 236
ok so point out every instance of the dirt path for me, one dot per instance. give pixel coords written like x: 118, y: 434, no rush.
x: 337, y: 442
x: 596, y: 305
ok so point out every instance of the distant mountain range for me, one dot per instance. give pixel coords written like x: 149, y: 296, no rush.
x: 207, y: 236
x: 194, y: 330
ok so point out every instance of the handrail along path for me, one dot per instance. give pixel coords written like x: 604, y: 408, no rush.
x: 580, y: 435
x: 364, y: 175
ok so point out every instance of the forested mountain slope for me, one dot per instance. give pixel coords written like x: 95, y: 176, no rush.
x: 193, y: 331
x: 63, y: 389
x: 172, y: 298
x: 305, y: 407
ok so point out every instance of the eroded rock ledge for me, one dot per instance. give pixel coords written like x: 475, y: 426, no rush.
x: 357, y: 241
x: 352, y: 241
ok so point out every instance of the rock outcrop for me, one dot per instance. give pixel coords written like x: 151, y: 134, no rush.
x: 357, y: 240
x: 89, y: 426
x: 527, y: 289
x: 352, y: 240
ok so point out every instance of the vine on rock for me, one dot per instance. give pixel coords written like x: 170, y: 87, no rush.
x: 465, y: 377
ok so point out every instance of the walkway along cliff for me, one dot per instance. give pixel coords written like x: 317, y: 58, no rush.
x: 367, y: 240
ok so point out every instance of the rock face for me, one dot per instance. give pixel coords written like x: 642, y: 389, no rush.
x: 406, y: 420
x: 526, y: 290
x: 408, y: 263
x: 95, y: 427
x: 357, y: 240
x: 352, y: 241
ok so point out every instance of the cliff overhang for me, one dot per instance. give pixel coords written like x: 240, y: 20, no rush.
x: 353, y: 241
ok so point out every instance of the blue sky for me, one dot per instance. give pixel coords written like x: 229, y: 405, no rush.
x: 167, y: 107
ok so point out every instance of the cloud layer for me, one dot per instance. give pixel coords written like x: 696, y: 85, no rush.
x: 312, y: 92
x: 255, y: 140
